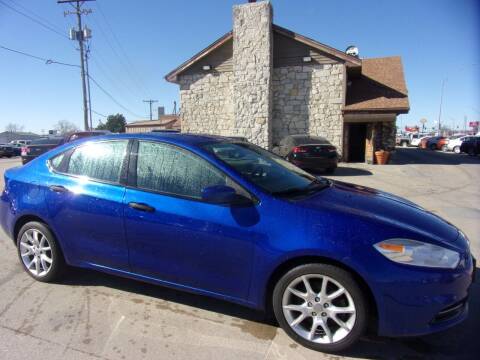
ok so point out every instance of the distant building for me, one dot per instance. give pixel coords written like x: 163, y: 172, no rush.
x: 7, y: 136
x: 165, y: 122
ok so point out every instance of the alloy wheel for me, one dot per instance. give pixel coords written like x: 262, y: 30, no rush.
x: 319, y: 309
x: 36, y: 252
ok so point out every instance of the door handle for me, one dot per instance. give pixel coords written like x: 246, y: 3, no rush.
x: 141, y: 207
x: 58, y: 188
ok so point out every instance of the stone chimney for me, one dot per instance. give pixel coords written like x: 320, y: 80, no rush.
x: 252, y: 71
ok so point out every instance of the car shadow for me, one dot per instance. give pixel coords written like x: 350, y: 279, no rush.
x: 86, y: 277
x: 344, y: 171
x: 459, y: 342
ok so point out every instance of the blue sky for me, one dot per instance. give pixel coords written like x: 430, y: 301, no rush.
x: 438, y: 40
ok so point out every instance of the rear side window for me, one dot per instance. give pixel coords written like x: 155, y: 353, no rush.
x: 56, y: 161
x: 98, y: 160
x: 168, y: 169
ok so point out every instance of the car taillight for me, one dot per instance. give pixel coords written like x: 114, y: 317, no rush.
x: 299, y: 149
x: 25, y: 151
x: 331, y: 149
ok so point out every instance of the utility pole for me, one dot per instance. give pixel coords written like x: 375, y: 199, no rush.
x: 80, y: 35
x: 88, y: 88
x: 150, y: 102
x: 440, y: 111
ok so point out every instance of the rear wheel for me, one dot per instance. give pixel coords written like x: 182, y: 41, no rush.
x: 433, y: 147
x: 39, y: 252
x: 444, y: 148
x: 471, y: 151
x: 456, y: 149
x: 321, y: 307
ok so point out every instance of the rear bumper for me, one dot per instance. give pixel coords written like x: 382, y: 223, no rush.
x: 315, y: 163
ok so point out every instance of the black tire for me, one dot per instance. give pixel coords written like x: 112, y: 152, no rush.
x: 433, y: 147
x: 347, y: 281
x: 58, y: 266
x: 471, y: 151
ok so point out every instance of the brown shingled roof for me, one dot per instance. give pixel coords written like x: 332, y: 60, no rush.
x: 165, y: 120
x: 381, y: 87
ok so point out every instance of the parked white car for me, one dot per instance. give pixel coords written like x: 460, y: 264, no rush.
x: 417, y: 139
x: 453, y: 144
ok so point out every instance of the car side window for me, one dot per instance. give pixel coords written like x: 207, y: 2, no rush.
x: 171, y: 170
x: 98, y: 160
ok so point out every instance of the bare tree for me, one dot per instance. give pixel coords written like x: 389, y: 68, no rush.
x: 11, y: 127
x: 65, y: 126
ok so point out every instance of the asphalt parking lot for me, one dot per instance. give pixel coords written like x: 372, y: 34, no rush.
x: 92, y: 315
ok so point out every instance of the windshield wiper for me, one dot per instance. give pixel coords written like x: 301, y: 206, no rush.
x: 314, y: 186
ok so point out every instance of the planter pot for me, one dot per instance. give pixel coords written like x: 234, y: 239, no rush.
x: 382, y: 157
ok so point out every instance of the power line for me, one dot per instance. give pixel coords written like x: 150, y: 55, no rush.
x: 40, y: 18
x: 112, y: 98
x: 50, y: 61
x: 120, y: 60
x: 33, y: 19
x: 47, y: 61
x: 129, y: 65
x: 97, y: 113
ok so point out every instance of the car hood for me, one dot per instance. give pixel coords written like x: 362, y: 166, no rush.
x: 384, y: 207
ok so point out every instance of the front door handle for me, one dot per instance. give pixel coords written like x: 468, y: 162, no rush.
x: 141, y: 207
x: 58, y: 188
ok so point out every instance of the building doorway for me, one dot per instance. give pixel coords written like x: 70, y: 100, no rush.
x: 357, y: 136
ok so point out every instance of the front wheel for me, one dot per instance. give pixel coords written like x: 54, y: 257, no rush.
x: 456, y: 150
x: 321, y: 307
x: 39, y: 252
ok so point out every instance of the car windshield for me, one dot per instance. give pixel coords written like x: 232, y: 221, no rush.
x: 264, y: 169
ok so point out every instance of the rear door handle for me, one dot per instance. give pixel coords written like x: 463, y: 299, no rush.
x: 58, y: 188
x: 141, y: 207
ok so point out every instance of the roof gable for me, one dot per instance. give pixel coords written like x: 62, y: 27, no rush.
x: 228, y: 37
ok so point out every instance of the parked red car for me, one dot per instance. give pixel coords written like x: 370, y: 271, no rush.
x: 40, y: 146
x: 432, y: 143
x: 423, y: 143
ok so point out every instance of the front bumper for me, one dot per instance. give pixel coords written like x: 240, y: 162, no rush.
x: 426, y: 301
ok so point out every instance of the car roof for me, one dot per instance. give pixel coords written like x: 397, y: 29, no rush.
x: 180, y: 138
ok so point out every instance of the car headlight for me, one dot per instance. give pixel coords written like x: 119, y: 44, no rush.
x: 418, y: 253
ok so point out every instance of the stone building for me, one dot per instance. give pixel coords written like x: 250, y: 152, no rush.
x: 264, y: 82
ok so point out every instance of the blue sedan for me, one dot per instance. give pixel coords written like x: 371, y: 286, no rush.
x: 224, y: 218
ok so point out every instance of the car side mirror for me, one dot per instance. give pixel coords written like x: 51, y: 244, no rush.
x: 224, y: 195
